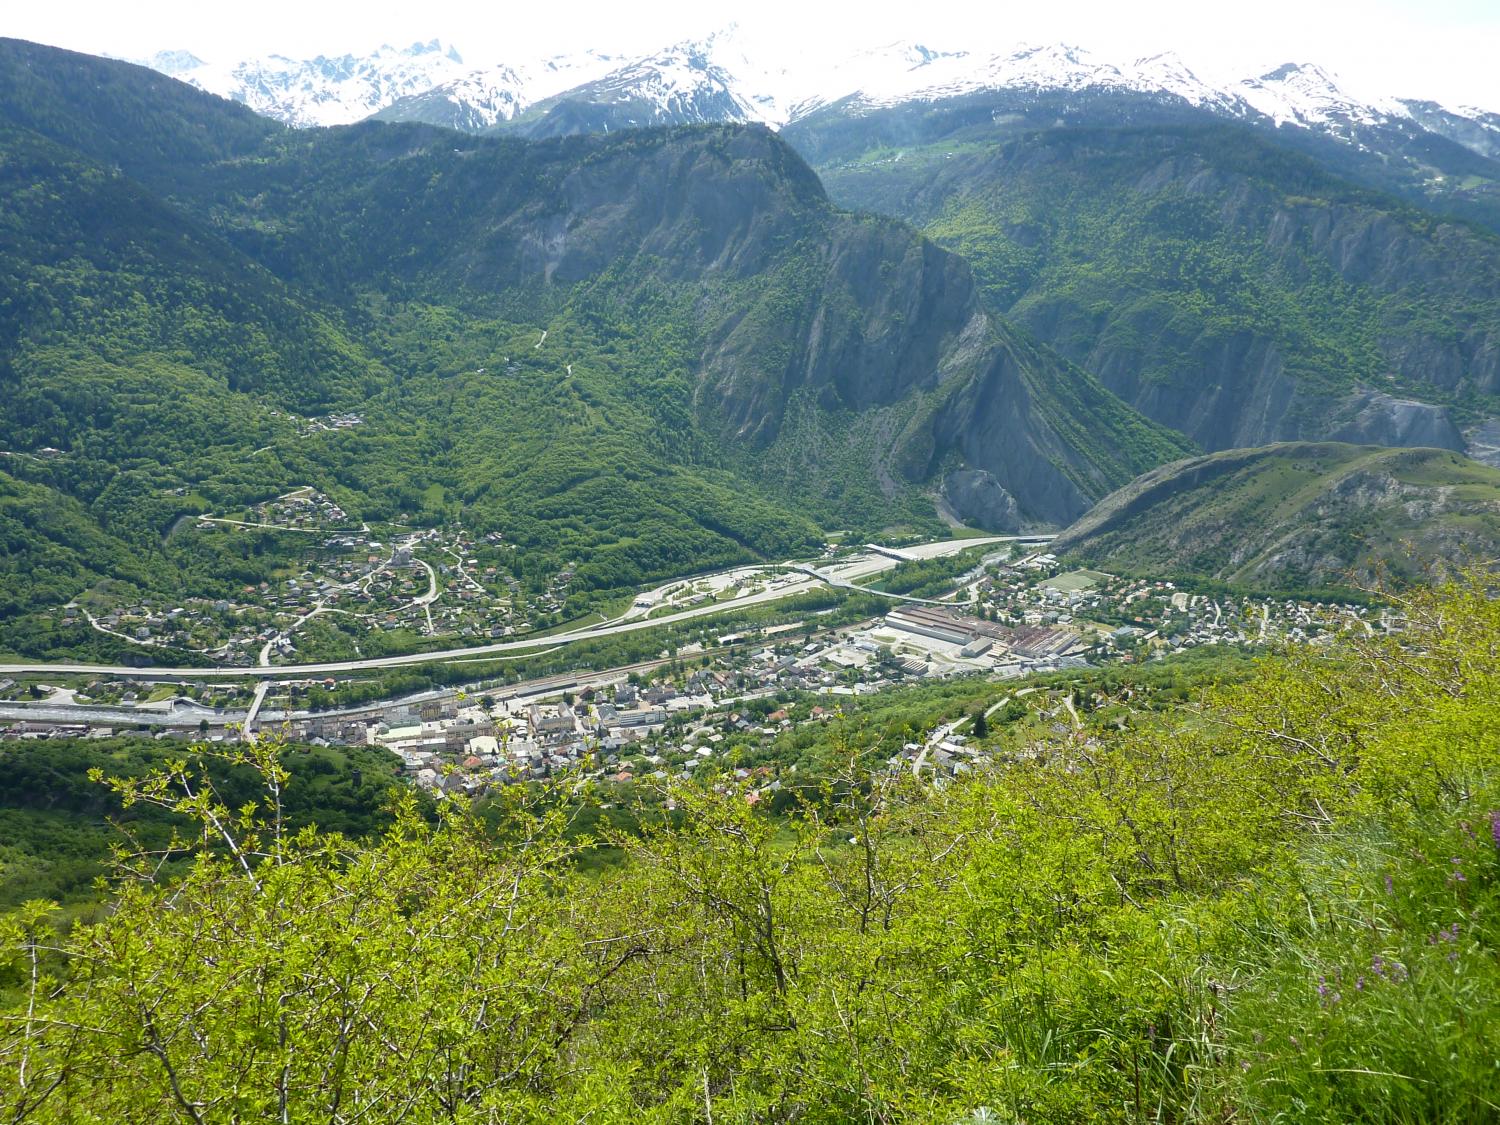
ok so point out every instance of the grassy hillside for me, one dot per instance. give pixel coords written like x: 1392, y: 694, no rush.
x: 1297, y: 515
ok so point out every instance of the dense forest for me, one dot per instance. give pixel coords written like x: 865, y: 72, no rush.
x: 1276, y: 902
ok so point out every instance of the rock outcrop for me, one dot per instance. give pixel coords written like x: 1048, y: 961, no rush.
x: 976, y: 496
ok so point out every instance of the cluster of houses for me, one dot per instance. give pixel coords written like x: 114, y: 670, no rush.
x: 449, y: 745
x: 344, y: 569
x: 623, y: 730
x: 460, y: 742
x: 1126, y: 618
x: 618, y: 733
x: 305, y: 509
x: 346, y: 420
x: 226, y: 630
x: 306, y: 427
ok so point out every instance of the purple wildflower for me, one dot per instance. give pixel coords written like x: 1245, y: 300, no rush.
x: 1359, y: 984
x: 1326, y: 995
x: 1448, y: 934
x: 1390, y: 887
x: 1495, y: 826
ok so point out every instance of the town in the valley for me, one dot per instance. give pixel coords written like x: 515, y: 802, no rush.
x: 1007, y: 611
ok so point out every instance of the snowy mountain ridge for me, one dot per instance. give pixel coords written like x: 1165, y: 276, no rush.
x: 322, y: 90
x: 484, y: 99
x: 728, y: 76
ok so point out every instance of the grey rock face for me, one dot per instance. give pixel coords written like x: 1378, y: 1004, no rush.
x: 1484, y: 442
x: 978, y: 497
x: 993, y: 419
x: 1222, y: 357
x: 1374, y: 418
x: 867, y: 315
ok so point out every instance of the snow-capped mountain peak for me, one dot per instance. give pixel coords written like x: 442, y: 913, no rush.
x: 1307, y: 95
x: 1167, y: 73
x: 478, y: 100
x: 482, y: 99
x: 173, y: 63
x: 889, y: 69
x: 325, y: 90
x: 677, y: 85
x: 1055, y: 66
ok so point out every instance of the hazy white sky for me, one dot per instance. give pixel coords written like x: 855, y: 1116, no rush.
x: 1446, y: 49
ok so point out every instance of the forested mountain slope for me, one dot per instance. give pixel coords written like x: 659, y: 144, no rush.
x: 156, y: 130
x: 1225, y: 285
x: 723, y: 234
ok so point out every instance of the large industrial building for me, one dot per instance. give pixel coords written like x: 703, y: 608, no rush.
x: 977, y: 636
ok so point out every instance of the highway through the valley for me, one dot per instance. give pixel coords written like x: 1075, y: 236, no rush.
x: 190, y: 717
x: 803, y: 579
